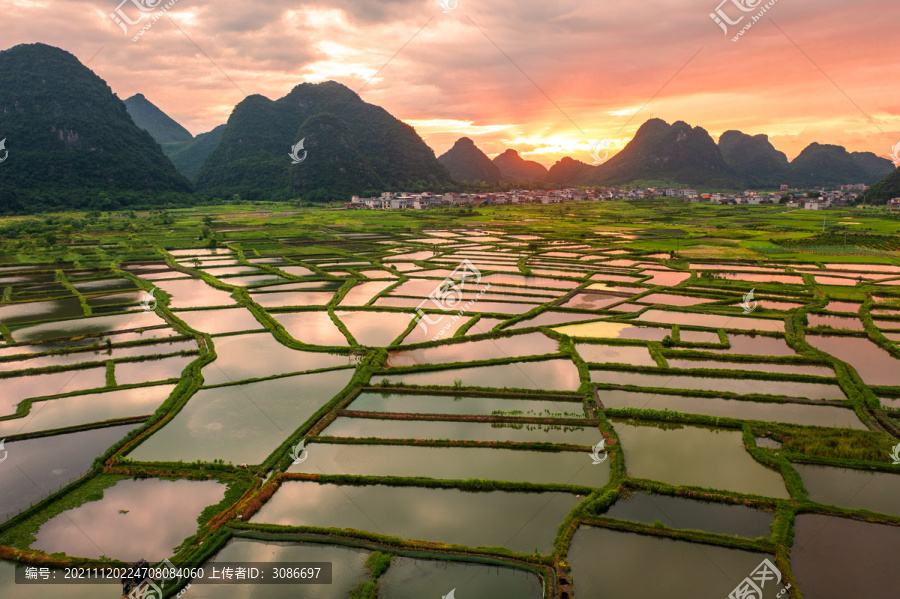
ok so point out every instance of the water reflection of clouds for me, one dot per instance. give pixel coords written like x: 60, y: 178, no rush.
x: 35, y: 467
x: 159, y: 515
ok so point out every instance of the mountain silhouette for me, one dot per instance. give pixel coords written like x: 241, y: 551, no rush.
x: 466, y: 162
x: 515, y: 168
x: 251, y: 159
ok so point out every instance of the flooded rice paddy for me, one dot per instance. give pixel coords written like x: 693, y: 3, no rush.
x: 135, y: 507
x: 453, y: 404
x: 664, y: 452
x: 795, y: 413
x: 492, y: 518
x: 864, y: 567
x: 645, y: 566
x: 739, y: 386
x: 301, y: 389
x: 690, y: 514
x: 458, y: 463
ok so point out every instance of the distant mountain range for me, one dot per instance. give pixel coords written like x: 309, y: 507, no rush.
x: 189, y: 156
x: 73, y: 143
x: 187, y: 153
x: 679, y: 154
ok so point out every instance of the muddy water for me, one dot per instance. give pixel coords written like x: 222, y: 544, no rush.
x: 865, y: 565
x: 668, y: 453
x: 608, y: 563
x: 852, y: 488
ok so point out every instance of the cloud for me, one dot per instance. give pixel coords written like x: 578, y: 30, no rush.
x: 559, y: 71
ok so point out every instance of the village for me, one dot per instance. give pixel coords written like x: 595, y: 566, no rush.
x: 815, y: 199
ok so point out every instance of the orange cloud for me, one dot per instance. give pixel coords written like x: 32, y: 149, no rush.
x: 547, y: 79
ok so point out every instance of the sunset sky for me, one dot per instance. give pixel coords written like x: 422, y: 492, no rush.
x: 547, y: 78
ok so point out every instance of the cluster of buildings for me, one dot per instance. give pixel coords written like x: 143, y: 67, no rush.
x: 419, y: 201
x: 424, y: 200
